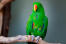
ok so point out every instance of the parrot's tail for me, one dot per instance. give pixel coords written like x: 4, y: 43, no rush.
x: 31, y: 43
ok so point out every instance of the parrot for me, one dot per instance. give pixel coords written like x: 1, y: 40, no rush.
x: 37, y: 22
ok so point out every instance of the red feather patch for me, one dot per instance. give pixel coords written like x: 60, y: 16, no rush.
x: 33, y: 23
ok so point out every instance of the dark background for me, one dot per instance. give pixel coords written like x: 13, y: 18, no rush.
x: 55, y: 10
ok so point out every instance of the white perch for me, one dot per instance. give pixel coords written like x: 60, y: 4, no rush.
x: 18, y: 38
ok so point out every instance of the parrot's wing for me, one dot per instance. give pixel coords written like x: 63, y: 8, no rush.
x: 46, y: 22
x: 29, y: 26
x: 45, y: 26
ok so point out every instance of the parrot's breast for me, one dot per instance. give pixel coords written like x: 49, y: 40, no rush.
x: 37, y: 29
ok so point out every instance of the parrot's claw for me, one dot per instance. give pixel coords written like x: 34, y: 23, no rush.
x: 37, y: 39
x: 33, y: 37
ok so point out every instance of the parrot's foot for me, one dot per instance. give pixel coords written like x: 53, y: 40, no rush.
x: 33, y: 37
x: 37, y: 39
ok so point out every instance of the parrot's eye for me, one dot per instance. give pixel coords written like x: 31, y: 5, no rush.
x: 40, y: 4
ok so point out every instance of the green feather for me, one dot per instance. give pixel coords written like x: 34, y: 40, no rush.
x: 40, y: 22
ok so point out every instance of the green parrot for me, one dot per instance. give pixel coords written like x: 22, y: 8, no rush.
x: 37, y: 23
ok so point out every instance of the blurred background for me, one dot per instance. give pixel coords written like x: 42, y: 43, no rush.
x: 55, y: 10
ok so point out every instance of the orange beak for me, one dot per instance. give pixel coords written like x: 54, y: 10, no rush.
x: 35, y: 8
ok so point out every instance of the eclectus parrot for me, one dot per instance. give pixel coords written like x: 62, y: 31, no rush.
x: 37, y: 23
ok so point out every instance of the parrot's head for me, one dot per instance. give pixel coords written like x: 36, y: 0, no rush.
x: 37, y: 6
